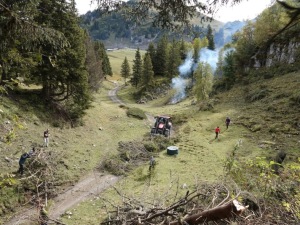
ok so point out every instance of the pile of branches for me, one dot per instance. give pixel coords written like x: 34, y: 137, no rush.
x: 204, y: 204
x: 130, y: 155
x: 40, y: 180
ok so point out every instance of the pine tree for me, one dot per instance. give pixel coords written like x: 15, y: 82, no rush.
x: 210, y: 38
x: 152, y: 52
x: 137, y: 69
x: 174, y: 60
x: 63, y: 73
x: 220, y: 63
x: 148, y: 74
x: 183, y: 50
x: 125, y: 69
x: 229, y: 69
x: 161, y: 59
x: 93, y: 65
x: 102, y: 55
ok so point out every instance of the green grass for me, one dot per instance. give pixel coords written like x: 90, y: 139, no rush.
x: 200, y: 158
x: 117, y: 57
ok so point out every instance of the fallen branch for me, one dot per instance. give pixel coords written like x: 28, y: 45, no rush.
x: 227, y: 211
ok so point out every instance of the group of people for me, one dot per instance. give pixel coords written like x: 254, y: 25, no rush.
x: 218, y: 130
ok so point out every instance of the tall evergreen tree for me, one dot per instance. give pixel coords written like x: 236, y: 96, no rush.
x: 93, y: 65
x: 229, y: 69
x: 125, y: 69
x: 210, y: 38
x: 137, y: 68
x: 161, y: 59
x: 220, y: 63
x: 152, y: 52
x: 148, y: 74
x: 102, y: 55
x: 63, y: 73
x: 183, y: 50
x: 174, y: 59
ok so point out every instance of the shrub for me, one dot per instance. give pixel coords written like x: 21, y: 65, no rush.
x: 136, y: 113
x: 151, y: 146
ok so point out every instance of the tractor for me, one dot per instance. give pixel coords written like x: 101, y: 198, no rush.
x: 162, y: 126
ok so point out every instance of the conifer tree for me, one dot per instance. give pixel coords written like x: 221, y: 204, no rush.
x: 183, y: 50
x: 137, y: 69
x: 152, y: 52
x: 125, y: 69
x: 229, y: 69
x: 93, y: 65
x: 102, y: 55
x: 210, y: 38
x: 174, y: 59
x: 63, y: 74
x: 161, y: 59
x: 220, y: 63
x: 148, y: 74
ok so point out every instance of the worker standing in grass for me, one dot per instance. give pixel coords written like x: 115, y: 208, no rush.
x: 152, y: 163
x: 227, y: 122
x: 46, y: 137
x: 217, y: 131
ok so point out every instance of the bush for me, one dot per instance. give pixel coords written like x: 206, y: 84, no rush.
x: 151, y: 146
x: 137, y: 113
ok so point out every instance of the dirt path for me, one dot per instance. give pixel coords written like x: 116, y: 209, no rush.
x: 89, y: 186
x: 113, y: 94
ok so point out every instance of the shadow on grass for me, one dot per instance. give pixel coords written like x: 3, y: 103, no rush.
x: 30, y: 101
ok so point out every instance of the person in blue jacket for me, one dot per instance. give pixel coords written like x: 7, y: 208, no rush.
x: 23, y: 158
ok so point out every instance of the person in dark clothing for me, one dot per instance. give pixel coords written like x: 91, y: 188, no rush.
x: 227, y: 122
x: 22, y: 162
x: 23, y: 158
x: 217, y: 131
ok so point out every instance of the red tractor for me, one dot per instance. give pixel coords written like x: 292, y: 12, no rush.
x: 162, y: 126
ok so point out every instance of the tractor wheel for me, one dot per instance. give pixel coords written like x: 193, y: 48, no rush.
x: 153, y: 131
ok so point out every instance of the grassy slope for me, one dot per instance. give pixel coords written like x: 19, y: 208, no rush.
x: 198, y: 160
x: 200, y: 157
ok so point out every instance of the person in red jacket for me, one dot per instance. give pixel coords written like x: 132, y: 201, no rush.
x: 217, y: 131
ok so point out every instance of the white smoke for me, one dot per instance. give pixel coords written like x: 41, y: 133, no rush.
x: 210, y: 57
x: 186, y: 68
x: 180, y: 83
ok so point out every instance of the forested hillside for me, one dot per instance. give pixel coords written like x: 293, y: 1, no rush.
x: 117, y: 31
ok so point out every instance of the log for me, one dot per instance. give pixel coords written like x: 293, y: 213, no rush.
x: 227, y: 211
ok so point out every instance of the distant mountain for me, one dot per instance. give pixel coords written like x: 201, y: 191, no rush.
x: 225, y: 33
x: 116, y: 32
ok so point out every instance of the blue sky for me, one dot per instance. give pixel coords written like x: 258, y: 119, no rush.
x: 248, y: 9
